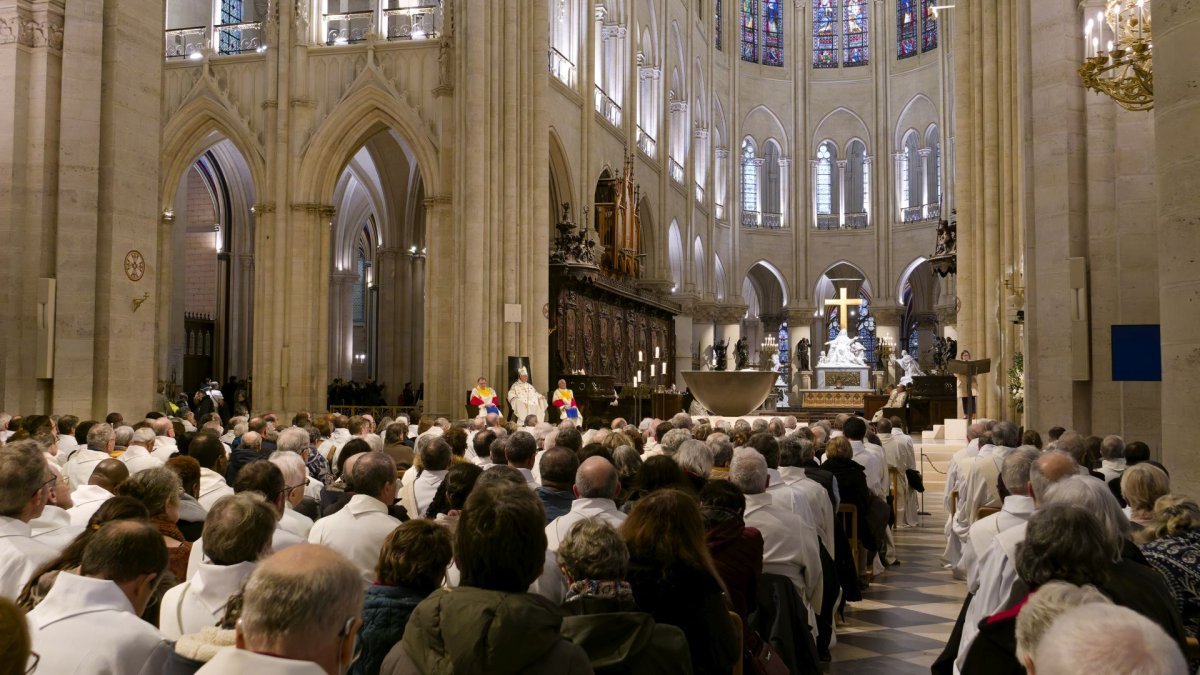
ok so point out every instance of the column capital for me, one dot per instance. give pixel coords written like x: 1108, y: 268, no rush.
x: 925, y: 152
x: 436, y: 201
x: 722, y: 152
x: 887, y: 315
x: 323, y: 210
x: 785, y: 161
x: 728, y: 314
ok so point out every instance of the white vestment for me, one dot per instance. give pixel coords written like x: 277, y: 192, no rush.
x: 54, y: 529
x: 997, y: 573
x: 87, y: 500
x: 1016, y: 510
x: 524, y: 400
x: 79, y: 467
x: 200, y: 601
x: 790, y: 548
x: 953, y: 545
x: 139, y: 459
x: 977, y: 482
x: 87, y: 625
x: 582, y: 508
x: 898, y: 449
x: 234, y: 660
x: 212, y: 488
x: 357, y: 531
x: 20, y: 556
x: 818, y: 502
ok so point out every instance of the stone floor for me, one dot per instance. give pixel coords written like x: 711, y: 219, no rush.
x: 907, y: 614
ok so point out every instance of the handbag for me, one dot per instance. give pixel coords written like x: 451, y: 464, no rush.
x: 915, y: 480
x: 765, y: 661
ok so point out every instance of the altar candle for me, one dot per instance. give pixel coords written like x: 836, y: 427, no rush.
x: 656, y: 353
x: 639, y: 376
x: 651, y: 370
x: 639, y: 356
x: 664, y: 368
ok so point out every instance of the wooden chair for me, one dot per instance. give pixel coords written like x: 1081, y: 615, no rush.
x: 850, y: 525
x: 1192, y: 651
x: 737, y: 629
x: 985, y: 511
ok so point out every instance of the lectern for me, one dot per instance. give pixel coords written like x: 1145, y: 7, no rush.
x: 970, y: 369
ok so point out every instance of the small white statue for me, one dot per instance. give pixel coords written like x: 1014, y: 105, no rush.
x: 910, y: 366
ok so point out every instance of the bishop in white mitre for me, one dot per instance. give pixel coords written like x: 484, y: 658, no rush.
x: 524, y: 400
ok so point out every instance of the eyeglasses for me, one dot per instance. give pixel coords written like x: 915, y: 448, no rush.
x: 34, y: 657
x: 344, y: 633
x: 288, y: 490
x: 48, y: 484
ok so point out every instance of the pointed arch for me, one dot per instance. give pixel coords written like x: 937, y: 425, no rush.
x: 561, y: 181
x: 918, y: 113
x: 352, y: 122
x: 675, y: 254
x: 196, y: 126
x: 831, y: 126
x: 767, y: 266
x: 698, y: 264
x: 719, y: 280
x: 762, y: 122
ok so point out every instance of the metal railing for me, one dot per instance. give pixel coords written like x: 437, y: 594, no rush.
x: 675, y: 169
x: 933, y: 212
x: 857, y: 221
x: 562, y: 68
x: 849, y: 221
x: 422, y: 22
x: 912, y: 214
x: 762, y: 220
x: 348, y: 27
x: 608, y: 108
x: 182, y: 43
x: 700, y: 193
x: 230, y: 38
x: 719, y: 211
x: 647, y: 143
x: 829, y: 221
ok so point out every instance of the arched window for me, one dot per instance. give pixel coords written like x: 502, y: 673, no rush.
x: 762, y: 32
x: 825, y: 34
x: 675, y: 254
x: 906, y: 28
x: 933, y: 141
x: 564, y: 41
x: 857, y: 185
x: 749, y: 176
x: 929, y: 32
x: 855, y: 33
x: 772, y: 185
x: 826, y: 156
x: 844, y: 24
x: 717, y: 37
x: 912, y: 183
x: 610, y: 57
x: 649, y: 97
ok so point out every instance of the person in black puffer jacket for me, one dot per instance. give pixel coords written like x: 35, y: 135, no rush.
x: 412, y: 564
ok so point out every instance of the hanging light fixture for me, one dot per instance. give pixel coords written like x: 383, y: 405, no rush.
x: 1118, y: 50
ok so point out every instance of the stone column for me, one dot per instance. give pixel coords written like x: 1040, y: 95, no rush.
x: 841, y: 185
x: 684, y: 331
x: 924, y: 153
x: 1177, y: 122
x: 341, y: 324
x: 390, y: 319
x: 702, y: 334
x: 887, y: 329
x: 799, y: 327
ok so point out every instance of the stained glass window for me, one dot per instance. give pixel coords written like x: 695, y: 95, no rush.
x: 929, y: 34
x: 231, y: 13
x: 750, y: 31
x: 772, y: 38
x: 749, y: 177
x: 906, y: 28
x: 717, y: 24
x: 866, y: 330
x: 854, y: 33
x: 824, y: 180
x: 825, y: 34
x: 356, y: 295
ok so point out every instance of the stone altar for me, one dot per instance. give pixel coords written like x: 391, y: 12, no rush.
x: 843, y: 377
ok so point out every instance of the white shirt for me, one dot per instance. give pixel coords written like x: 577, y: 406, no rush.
x: 234, y: 660
x: 584, y: 507
x: 953, y: 468
x: 80, y: 466
x: 817, y: 500
x: 200, y: 601
x: 330, y: 447
x: 790, y: 546
x: 295, y: 522
x: 425, y: 487
x: 977, y: 487
x: 280, y: 540
x: 871, y: 457
x: 529, y: 479
x: 164, y: 448
x: 1016, y: 510
x: 1109, y: 468
x: 53, y: 528
x: 66, y: 443
x: 357, y: 531
x: 138, y: 459
x: 212, y: 488
x: 87, y: 500
x: 88, y: 625
x: 997, y: 573
x: 20, y: 556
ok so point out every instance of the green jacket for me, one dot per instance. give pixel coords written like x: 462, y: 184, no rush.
x: 469, y: 630
x: 620, y: 639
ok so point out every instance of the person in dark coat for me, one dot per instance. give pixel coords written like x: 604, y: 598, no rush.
x: 737, y: 550
x: 602, y: 616
x: 412, y: 564
x: 674, y: 579
x: 852, y: 487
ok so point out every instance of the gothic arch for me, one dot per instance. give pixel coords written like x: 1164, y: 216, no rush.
x: 762, y: 122
x: 831, y: 126
x: 195, y: 127
x: 561, y: 183
x: 823, y: 287
x: 774, y: 271
x: 918, y: 113
x: 350, y: 124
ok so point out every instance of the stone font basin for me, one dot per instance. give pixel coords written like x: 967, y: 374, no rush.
x: 730, y: 393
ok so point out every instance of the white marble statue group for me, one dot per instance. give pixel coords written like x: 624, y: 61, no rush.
x: 843, y: 352
x: 910, y: 366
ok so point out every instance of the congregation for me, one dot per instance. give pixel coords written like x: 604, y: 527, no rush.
x: 327, y: 544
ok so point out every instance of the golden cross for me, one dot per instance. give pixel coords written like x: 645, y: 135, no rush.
x: 844, y: 308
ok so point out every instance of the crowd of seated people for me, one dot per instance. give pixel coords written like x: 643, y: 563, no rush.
x: 322, y: 543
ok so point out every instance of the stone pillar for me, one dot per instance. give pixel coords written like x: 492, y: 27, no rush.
x: 841, y: 190
x: 684, y: 331
x: 887, y: 330
x: 390, y: 319
x: 800, y: 327
x: 924, y: 153
x: 1177, y: 125
x: 702, y: 334
x: 341, y: 324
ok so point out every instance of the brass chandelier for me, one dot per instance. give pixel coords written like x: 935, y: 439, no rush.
x: 1119, y: 54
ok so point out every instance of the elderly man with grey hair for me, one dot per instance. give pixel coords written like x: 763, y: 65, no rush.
x: 165, y: 445
x: 137, y: 455
x: 1045, y: 605
x: 978, y: 479
x: 814, y: 495
x: 696, y: 460
x: 670, y: 442
x: 101, y: 439
x: 358, y: 530
x: 1112, y: 457
x: 296, y: 478
x: 25, y: 485
x: 1017, y: 508
x: 791, y: 546
x: 597, y: 485
x: 124, y: 434
x: 301, y: 610
x: 1139, y: 647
